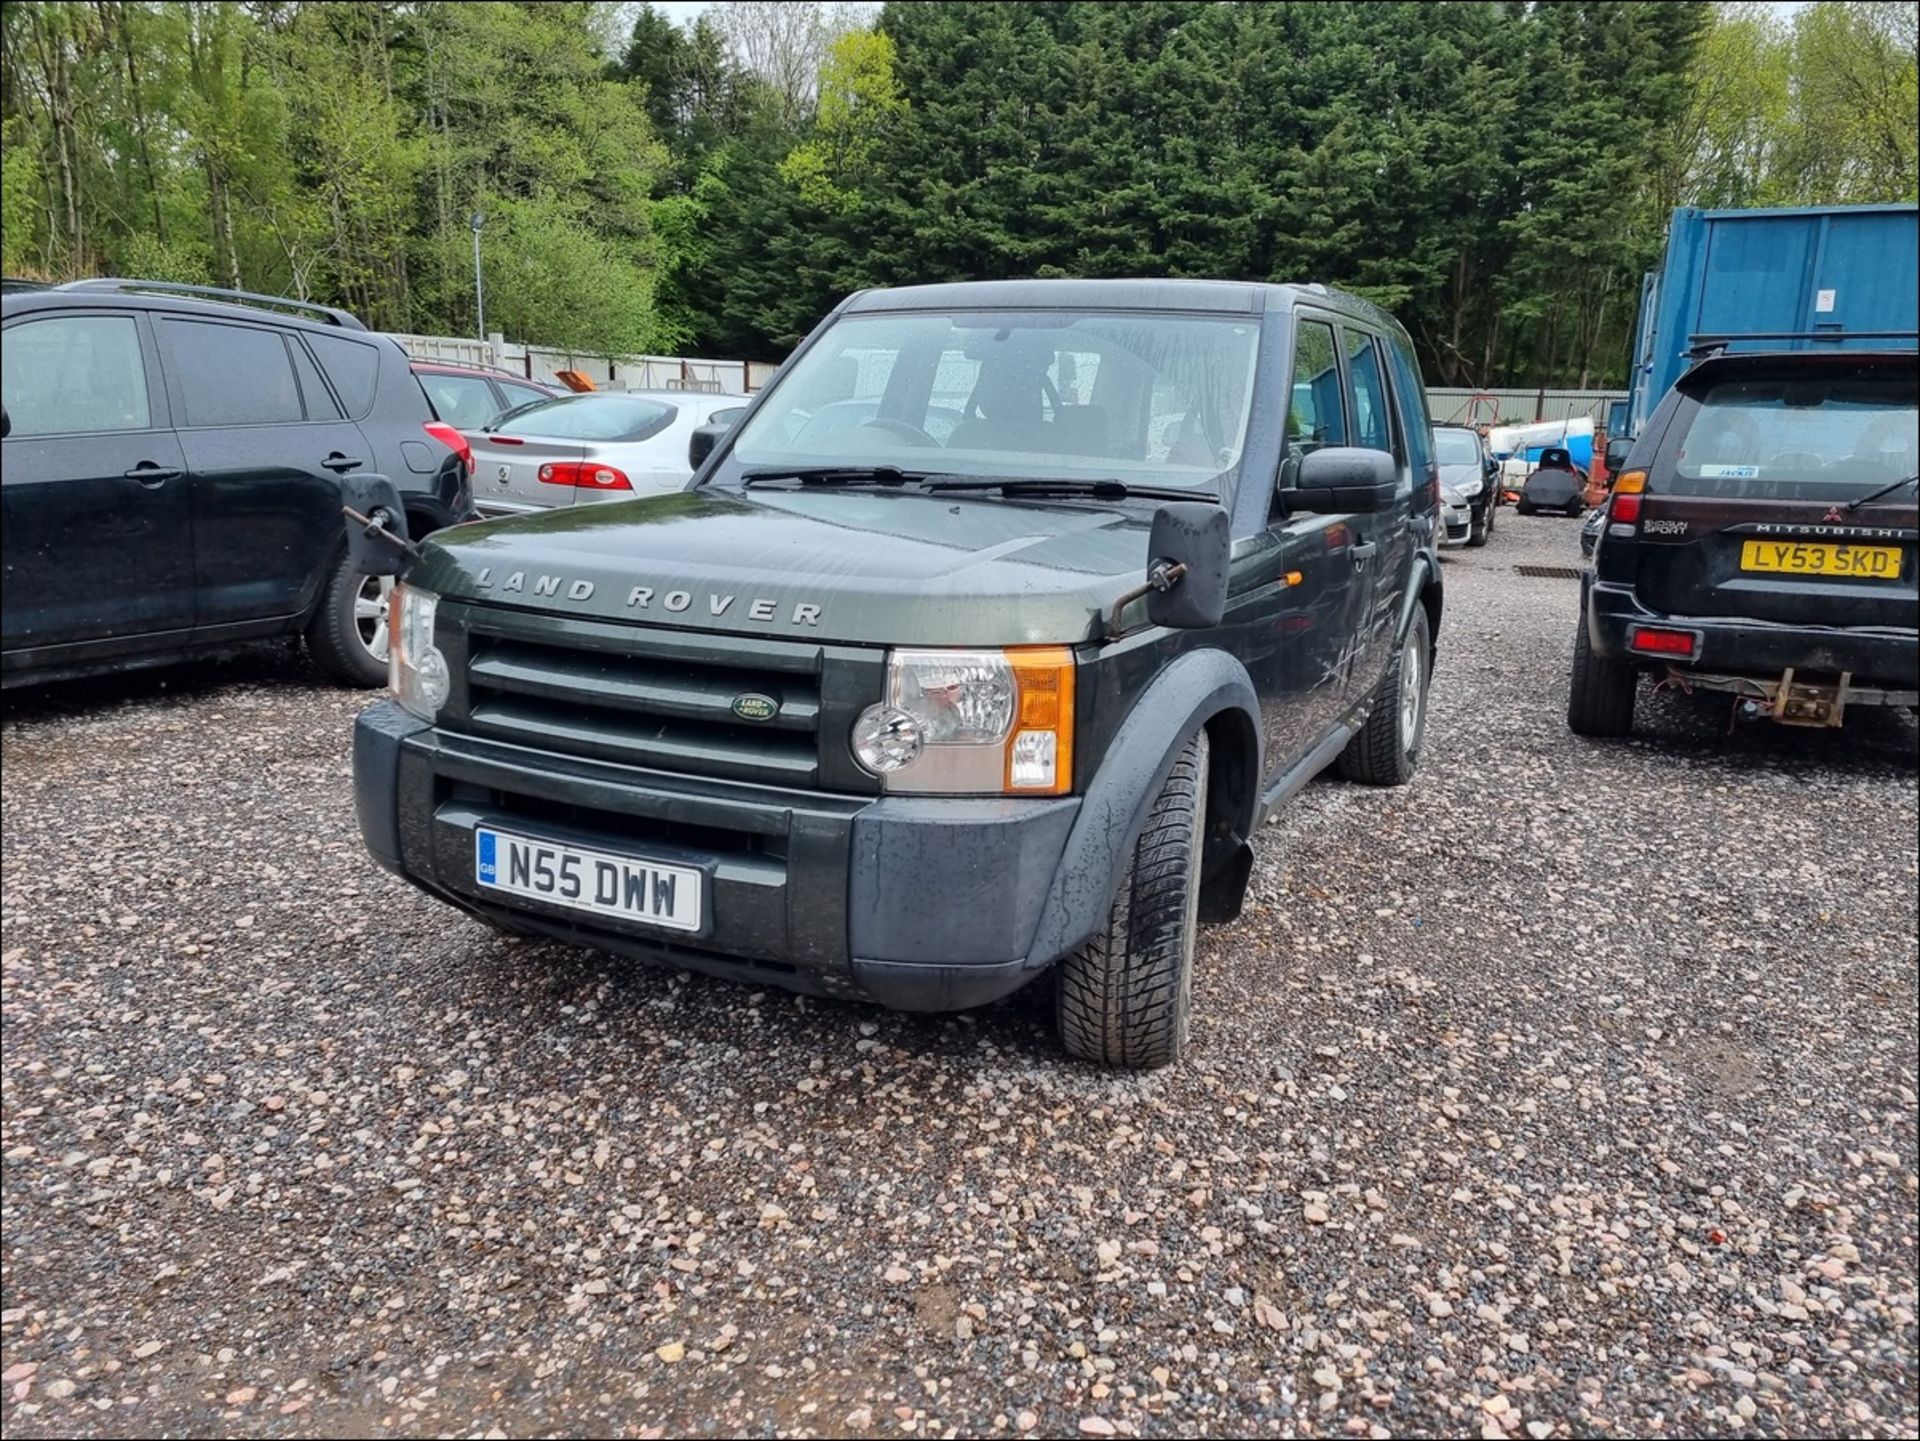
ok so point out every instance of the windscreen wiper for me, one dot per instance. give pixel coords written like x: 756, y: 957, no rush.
x: 1063, y: 485
x: 834, y: 475
x: 1887, y: 489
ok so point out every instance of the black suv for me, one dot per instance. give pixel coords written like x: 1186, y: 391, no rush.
x: 982, y: 644
x: 1760, y: 541
x: 171, y: 470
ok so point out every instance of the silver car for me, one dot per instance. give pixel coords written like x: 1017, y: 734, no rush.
x: 603, y: 445
x: 1456, y: 515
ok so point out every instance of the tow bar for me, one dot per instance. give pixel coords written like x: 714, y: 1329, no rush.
x: 1794, y: 702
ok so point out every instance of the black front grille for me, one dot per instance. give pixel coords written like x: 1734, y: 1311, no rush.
x: 663, y: 699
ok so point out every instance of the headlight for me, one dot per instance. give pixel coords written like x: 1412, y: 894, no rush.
x: 1471, y: 488
x: 972, y: 722
x: 416, y: 672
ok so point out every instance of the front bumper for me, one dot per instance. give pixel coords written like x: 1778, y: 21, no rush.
x: 919, y: 903
x: 1882, y: 656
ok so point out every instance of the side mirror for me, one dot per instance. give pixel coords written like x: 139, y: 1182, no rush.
x: 376, y: 523
x: 1193, y: 534
x: 1344, y: 478
x: 702, y: 442
x: 1617, y: 453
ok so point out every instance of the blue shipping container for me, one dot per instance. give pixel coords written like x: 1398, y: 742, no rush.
x: 1790, y: 279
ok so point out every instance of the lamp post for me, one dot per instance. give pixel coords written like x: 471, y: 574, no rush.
x: 476, y: 220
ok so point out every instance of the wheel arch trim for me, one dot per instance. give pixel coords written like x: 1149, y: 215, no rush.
x: 1202, y: 688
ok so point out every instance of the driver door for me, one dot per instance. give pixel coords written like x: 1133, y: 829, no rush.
x: 1294, y: 591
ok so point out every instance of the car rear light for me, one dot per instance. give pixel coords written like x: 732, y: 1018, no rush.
x: 1627, y: 492
x: 1651, y: 641
x: 453, y: 440
x: 586, y: 474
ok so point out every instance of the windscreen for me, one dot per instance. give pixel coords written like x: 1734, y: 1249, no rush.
x: 1809, y: 433
x: 1456, y: 447
x: 588, y: 417
x: 1146, y: 397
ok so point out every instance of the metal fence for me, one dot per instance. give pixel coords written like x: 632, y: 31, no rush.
x: 619, y: 372
x: 1512, y: 405
x: 1517, y: 405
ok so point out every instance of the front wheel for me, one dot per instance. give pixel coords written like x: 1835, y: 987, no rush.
x: 1482, y: 526
x: 1124, y: 997
x: 347, y: 636
x: 1386, y: 750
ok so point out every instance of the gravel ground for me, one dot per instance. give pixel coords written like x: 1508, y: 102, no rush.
x: 1569, y: 1091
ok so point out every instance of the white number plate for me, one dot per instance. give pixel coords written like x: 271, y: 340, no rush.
x: 581, y: 879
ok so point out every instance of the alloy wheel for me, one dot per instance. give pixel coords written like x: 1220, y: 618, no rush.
x: 370, y: 614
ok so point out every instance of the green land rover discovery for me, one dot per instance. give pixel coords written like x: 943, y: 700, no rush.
x: 980, y: 647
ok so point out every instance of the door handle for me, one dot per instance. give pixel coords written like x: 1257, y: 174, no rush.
x: 151, y: 475
x: 1362, y: 551
x: 340, y: 464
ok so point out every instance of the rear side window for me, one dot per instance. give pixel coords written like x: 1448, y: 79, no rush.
x: 464, y: 401
x: 1314, y: 416
x: 75, y: 374
x: 230, y: 374
x: 313, y: 390
x: 521, y: 394
x: 1415, y: 420
x: 1367, y: 393
x: 354, y: 368
x: 1806, y: 435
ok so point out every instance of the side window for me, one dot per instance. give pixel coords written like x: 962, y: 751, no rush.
x: 518, y: 395
x: 1314, y: 414
x: 354, y: 368
x: 75, y: 374
x: 1367, y: 393
x: 230, y: 374
x: 463, y: 401
x: 1414, y: 418
x: 313, y: 390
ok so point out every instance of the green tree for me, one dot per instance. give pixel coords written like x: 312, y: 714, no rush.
x: 859, y: 100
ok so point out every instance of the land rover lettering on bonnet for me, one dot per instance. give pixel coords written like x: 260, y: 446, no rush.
x: 979, y: 647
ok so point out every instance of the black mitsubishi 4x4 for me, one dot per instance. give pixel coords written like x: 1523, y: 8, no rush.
x: 1760, y: 541
x: 981, y: 645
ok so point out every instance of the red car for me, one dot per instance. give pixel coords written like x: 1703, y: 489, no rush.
x: 468, y: 397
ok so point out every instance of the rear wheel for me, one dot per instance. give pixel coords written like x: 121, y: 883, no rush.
x: 1576, y: 507
x: 347, y: 636
x: 1601, y: 695
x: 1123, y: 998
x: 1522, y: 508
x: 1386, y: 751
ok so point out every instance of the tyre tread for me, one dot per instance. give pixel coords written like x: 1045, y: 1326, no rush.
x: 1601, y: 692
x: 1123, y: 998
x: 1375, y: 757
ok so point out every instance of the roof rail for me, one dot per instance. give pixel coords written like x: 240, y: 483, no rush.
x: 345, y: 319
x: 1708, y: 344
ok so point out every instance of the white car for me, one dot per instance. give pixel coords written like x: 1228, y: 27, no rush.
x: 603, y: 445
